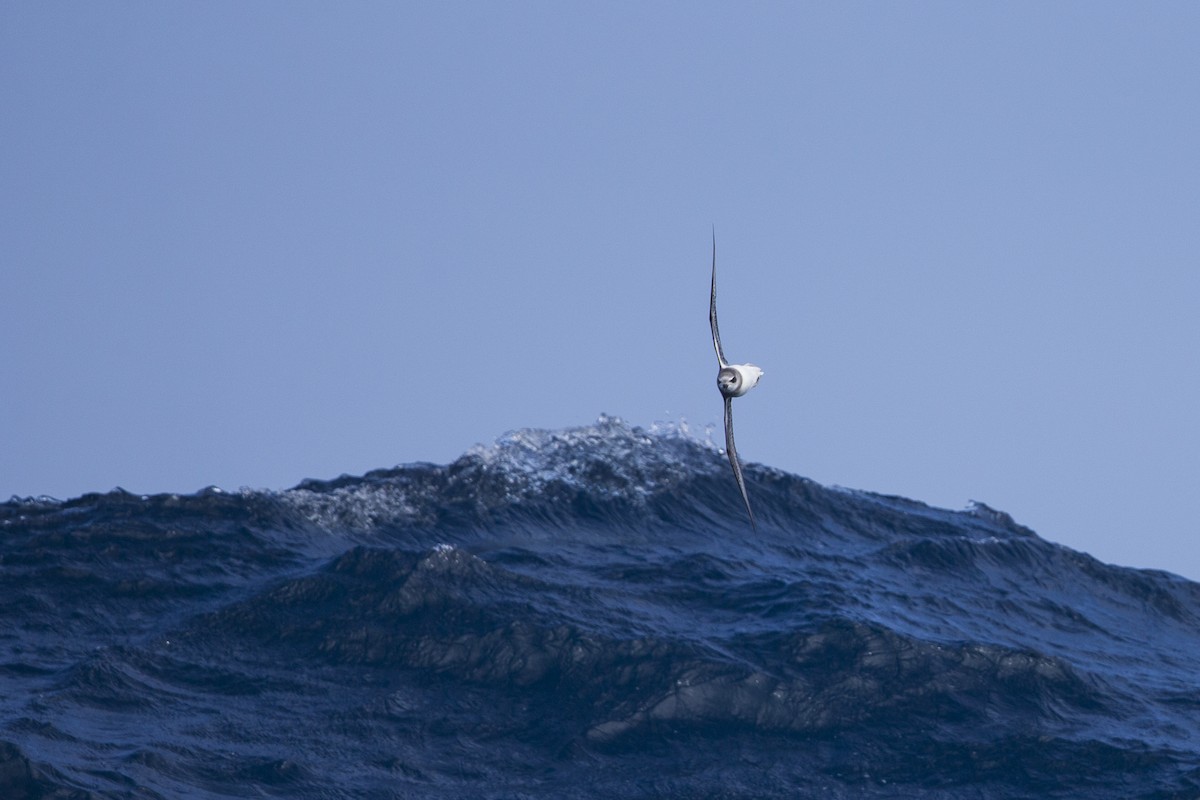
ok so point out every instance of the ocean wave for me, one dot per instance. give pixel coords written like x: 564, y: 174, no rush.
x: 586, y: 610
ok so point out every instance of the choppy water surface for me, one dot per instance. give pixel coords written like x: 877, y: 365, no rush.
x: 580, y: 613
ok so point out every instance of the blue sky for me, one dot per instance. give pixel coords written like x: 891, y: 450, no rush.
x: 245, y: 244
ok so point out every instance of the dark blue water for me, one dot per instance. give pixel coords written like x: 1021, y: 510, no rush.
x: 580, y: 613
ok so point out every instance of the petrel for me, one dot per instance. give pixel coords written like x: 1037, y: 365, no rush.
x: 734, y: 380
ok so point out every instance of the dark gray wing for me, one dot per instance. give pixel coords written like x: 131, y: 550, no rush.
x: 712, y: 313
x: 731, y: 451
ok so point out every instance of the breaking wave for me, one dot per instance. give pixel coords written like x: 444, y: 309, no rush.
x: 576, y: 613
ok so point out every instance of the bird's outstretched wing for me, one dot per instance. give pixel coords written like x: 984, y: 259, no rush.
x: 731, y: 451
x: 712, y: 318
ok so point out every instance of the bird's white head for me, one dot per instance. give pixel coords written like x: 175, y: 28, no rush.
x: 737, y: 379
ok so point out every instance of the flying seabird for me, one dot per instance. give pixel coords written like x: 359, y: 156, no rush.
x: 734, y: 380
